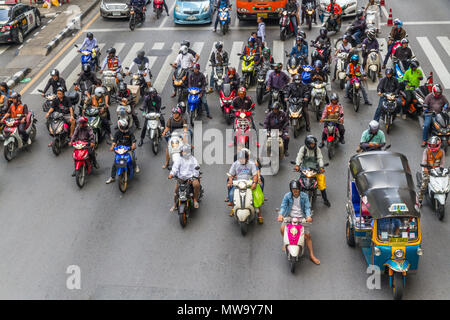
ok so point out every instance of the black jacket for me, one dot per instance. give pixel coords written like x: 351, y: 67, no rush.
x: 152, y: 104
x: 297, y: 91
x: 55, y: 84
x: 387, y: 85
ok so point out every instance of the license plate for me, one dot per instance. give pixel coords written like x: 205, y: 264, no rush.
x: 398, y: 240
x: 262, y: 15
x: 116, y: 13
x: 191, y: 18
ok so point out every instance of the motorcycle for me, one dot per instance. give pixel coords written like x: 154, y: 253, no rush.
x: 333, y: 136
x: 321, y: 52
x: 399, y: 67
x: 13, y: 141
x: 89, y: 56
x: 194, y: 104
x: 277, y: 96
x: 440, y: 127
x: 185, y: 200
x: 272, y: 135
x: 437, y: 189
x: 59, y: 130
x: 82, y: 89
x: 349, y: 33
x: 95, y: 122
x: 308, y: 182
x: 226, y: 102
x: 293, y: 65
x: 158, y: 7
x: 124, y: 112
x: 388, y: 110
x: 49, y: 97
x: 318, y: 95
x: 179, y: 79
x: 136, y: 18
x: 286, y: 27
x: 110, y: 81
x: 331, y: 23
x: 219, y: 77
x: 248, y: 69
x: 242, y: 128
x: 124, y: 165
x: 243, y: 208
x: 137, y: 79
x: 224, y: 19
x: 82, y: 161
x: 355, y: 83
x: 294, y: 239
x: 296, y: 119
x: 154, y: 129
x: 309, y: 13
x: 373, y: 18
x: 261, y: 82
x: 373, y: 64
x: 341, y: 65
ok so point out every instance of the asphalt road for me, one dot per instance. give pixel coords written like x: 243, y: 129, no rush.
x: 131, y: 247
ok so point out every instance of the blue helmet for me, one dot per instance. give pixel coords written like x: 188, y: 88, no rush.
x: 398, y: 22
x: 355, y: 57
x: 318, y: 63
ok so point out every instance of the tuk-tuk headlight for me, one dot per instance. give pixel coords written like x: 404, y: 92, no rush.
x: 398, y: 253
x: 376, y: 251
x: 419, y: 251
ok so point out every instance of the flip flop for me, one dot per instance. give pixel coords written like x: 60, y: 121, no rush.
x: 314, y: 261
x: 164, y: 166
x: 260, y: 220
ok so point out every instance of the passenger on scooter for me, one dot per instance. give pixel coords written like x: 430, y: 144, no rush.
x: 218, y: 57
x: 277, y: 80
x: 143, y: 65
x: 188, y: 45
x: 125, y: 93
x: 314, y: 17
x: 184, y: 168
x: 373, y: 138
x: 259, y: 44
x: 397, y: 34
x: 62, y: 104
x: 5, y: 90
x: 300, y: 49
x: 139, y: 6
x: 185, y: 60
x: 123, y: 137
x: 310, y: 156
x: 333, y: 111
x: 175, y: 122
x: 90, y: 43
x: 292, y: 9
x: 278, y: 119
x: 232, y: 78
x: 343, y: 46
x: 404, y: 54
x: 434, y: 102
x: 296, y: 204
x: 197, y: 79
x: 218, y: 5
x: 18, y: 110
x: 369, y: 43
x: 55, y: 82
x: 434, y: 157
x: 353, y: 68
x: 388, y: 84
x: 98, y: 100
x: 358, y: 26
x: 297, y: 89
x: 411, y: 79
x: 152, y: 103
x: 83, y: 132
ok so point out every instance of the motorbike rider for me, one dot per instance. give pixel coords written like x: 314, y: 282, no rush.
x: 296, y: 204
x: 165, y: 7
x: 112, y: 62
x: 292, y: 9
x: 278, y: 119
x: 310, y: 156
x: 218, y: 57
x: 300, y: 49
x: 127, y: 99
x: 353, y: 68
x: 323, y: 38
x: 152, y: 103
x: 197, y: 79
x: 175, y: 122
x: 5, y: 94
x: 123, y: 137
x: 83, y: 132
x: 218, y: 5
x: 297, y: 89
x: 188, y: 45
x: 434, y: 157
x: 358, y: 26
x: 185, y: 60
x: 258, y: 42
x: 411, y: 79
x: 277, y: 80
x: 18, y: 110
x: 404, y: 53
x: 304, y: 3
x: 335, y: 11
x: 344, y: 46
x: 55, y: 82
x: 98, y: 100
x: 232, y: 78
x: 370, y: 43
x: 251, y: 49
x: 397, y: 34
x: 63, y: 105
x: 143, y: 65
x: 5, y: 90
x: 333, y: 111
x: 86, y: 76
x: 319, y: 74
x: 243, y: 102
x: 435, y: 102
x: 139, y: 6
x: 90, y: 43
x: 373, y: 138
x: 184, y: 168
x: 388, y: 84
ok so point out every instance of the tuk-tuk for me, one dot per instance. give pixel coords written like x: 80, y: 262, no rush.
x: 381, y: 214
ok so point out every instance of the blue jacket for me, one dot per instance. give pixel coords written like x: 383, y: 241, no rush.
x: 288, y: 201
x: 302, y: 52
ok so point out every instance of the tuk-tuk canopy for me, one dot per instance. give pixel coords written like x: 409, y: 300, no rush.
x: 384, y: 182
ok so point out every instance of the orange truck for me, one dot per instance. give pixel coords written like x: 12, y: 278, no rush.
x: 251, y: 9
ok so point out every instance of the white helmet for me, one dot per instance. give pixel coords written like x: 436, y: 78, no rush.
x: 374, y: 125
x: 122, y: 124
x: 184, y: 50
x: 99, y: 92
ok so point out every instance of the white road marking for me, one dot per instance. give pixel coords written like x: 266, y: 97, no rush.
x: 166, y: 69
x: 158, y: 46
x: 386, y: 14
x: 132, y: 53
x: 445, y: 43
x: 411, y: 23
x: 435, y: 61
x: 234, y: 58
x: 20, y: 47
x: 43, y: 27
x: 208, y: 68
x: 3, y: 49
x: 163, y: 22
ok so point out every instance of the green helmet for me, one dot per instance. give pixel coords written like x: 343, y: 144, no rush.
x: 266, y: 52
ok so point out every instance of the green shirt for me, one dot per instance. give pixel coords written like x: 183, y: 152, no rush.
x: 412, y: 78
x: 378, y: 138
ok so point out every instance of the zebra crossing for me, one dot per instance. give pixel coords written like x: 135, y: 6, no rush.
x: 69, y: 66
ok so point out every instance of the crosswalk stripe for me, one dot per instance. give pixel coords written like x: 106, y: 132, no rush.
x: 435, y: 61
x: 132, y: 53
x: 166, y: 69
x: 158, y: 46
x: 445, y: 43
x: 208, y: 68
x: 278, y: 51
x: 234, y: 58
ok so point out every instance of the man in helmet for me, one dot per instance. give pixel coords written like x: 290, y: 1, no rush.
x: 113, y: 63
x: 296, y: 204
x: 139, y: 7
x: 300, y: 49
x: 292, y: 9
x: 143, y: 67
x: 184, y: 168
x: 319, y: 73
x: 5, y: 94
x: 432, y: 157
x: 185, y: 60
x: 277, y: 80
x: 232, y: 78
x: 266, y: 56
x: 304, y: 3
x: 218, y: 5
x: 55, y: 82
x: 358, y: 26
x: 152, y: 103
x: 297, y: 89
x: 411, y: 79
x: 343, y: 46
x: 175, y: 122
x: 333, y: 111
x: 63, y: 105
x: 99, y: 100
x: 18, y: 110
x: 242, y: 101
x: 335, y: 11
x: 310, y: 156
x: 123, y: 137
x: 370, y: 43
x: 90, y: 43
x: 435, y: 102
x: 83, y: 132
x: 87, y: 76
x: 277, y: 119
x: 354, y: 69
x: 251, y: 49
x: 323, y: 38
x: 397, y: 34
x: 188, y: 45
x: 388, y: 84
x: 218, y: 58
x: 197, y: 79
x: 404, y: 53
x: 128, y: 99
x: 373, y: 138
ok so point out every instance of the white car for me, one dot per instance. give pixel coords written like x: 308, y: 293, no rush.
x: 349, y: 7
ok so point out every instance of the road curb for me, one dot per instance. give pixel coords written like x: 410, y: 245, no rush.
x: 17, y: 77
x: 69, y: 27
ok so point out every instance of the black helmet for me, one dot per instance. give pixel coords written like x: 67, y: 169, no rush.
x: 90, y: 35
x: 275, y: 105
x: 297, y: 79
x: 141, y: 53
x: 334, y: 96
x: 310, y: 142
x: 122, y: 86
x: 302, y: 34
x: 414, y: 64
x: 389, y: 71
x: 112, y: 50
x: 294, y: 184
x: 359, y: 13
x: 86, y: 68
x: 219, y: 45
x: 299, y: 38
x: 185, y: 43
x: 54, y: 72
x: 371, y: 34
x: 323, y: 31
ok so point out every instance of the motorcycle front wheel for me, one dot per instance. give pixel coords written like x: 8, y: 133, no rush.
x: 80, y: 176
x: 9, y: 151
x: 440, y: 210
x: 56, y: 146
x: 123, y: 181
x: 356, y: 100
x: 132, y: 22
x: 293, y: 263
x: 282, y: 35
x: 331, y: 150
x: 244, y: 228
x: 259, y: 95
x: 155, y: 146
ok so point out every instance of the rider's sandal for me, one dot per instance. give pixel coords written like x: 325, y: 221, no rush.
x: 231, y: 213
x: 260, y: 220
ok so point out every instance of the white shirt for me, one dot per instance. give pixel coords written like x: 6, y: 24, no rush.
x: 185, y: 61
x: 185, y: 168
x: 296, y: 210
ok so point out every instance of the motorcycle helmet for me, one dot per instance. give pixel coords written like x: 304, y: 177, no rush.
x: 398, y: 23
x: 299, y: 39
x: 219, y: 45
x: 310, y: 142
x: 355, y: 58
x: 437, y: 90
x: 15, y: 96
x: 82, y: 121
x: 176, y: 109
x: 266, y: 53
x: 152, y: 92
x: 294, y: 184
x: 60, y: 89
x: 184, y: 50
x: 323, y: 32
x: 334, y: 97
x: 434, y: 143
x: 389, y: 71
x: 86, y: 68
x: 243, y: 156
x: 302, y: 34
x: 181, y: 105
x: 414, y: 64
x: 90, y: 35
x: 185, y: 43
x: 185, y: 151
x: 251, y: 40
x: 122, y: 87
x: 54, y: 72
x: 278, y: 67
x: 318, y: 64
x: 112, y: 51
x: 122, y: 124
x: 231, y: 71
x: 346, y: 38
x: 404, y: 40
x: 275, y: 105
x: 141, y: 54
x: 242, y: 92
x: 374, y: 126
x: 359, y: 13
x: 297, y: 79
x: 99, y: 92
x: 196, y: 66
x: 371, y: 34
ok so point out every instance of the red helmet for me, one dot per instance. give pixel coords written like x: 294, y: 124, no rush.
x: 231, y: 71
x: 82, y: 121
x: 437, y: 90
x: 434, y: 143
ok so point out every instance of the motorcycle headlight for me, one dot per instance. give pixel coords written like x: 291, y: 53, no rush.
x: 242, y: 185
x: 121, y: 151
x: 356, y: 84
x: 398, y: 253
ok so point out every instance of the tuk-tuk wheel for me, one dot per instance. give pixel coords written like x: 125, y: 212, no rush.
x: 350, y: 234
x: 397, y: 286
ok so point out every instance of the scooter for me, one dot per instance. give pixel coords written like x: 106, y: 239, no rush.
x: 179, y: 79
x: 388, y: 110
x: 341, y: 65
x: 186, y: 200
x: 333, y: 136
x: 318, y: 95
x: 13, y: 141
x: 277, y: 96
x: 438, y: 188
x: 261, y: 82
x: 331, y: 23
x: 124, y: 165
x: 286, y: 27
x: 294, y: 239
x: 136, y: 18
x: 219, y: 77
x: 95, y: 122
x: 440, y: 127
x: 321, y: 52
x: 224, y: 19
x: 272, y: 135
x: 89, y: 56
x: 373, y: 64
x: 242, y: 128
x: 194, y: 104
x: 373, y: 18
x: 176, y: 141
x: 248, y: 69
x: 59, y: 130
x: 226, y: 102
x: 137, y: 79
x: 296, y: 119
x: 243, y: 208
x: 309, y: 13
x: 158, y: 7
x: 154, y: 129
x: 82, y: 161
x: 110, y: 81
x: 399, y: 67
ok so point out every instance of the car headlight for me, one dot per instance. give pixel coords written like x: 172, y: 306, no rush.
x: 103, y: 6
x: 376, y: 251
x: 398, y: 253
x: 177, y: 9
x: 205, y: 8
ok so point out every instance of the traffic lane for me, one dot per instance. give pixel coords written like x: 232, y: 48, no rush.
x: 419, y: 10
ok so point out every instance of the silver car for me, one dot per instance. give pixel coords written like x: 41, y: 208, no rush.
x: 116, y: 8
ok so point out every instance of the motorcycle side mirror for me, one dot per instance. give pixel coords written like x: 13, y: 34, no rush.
x: 126, y: 68
x: 197, y: 168
x: 41, y: 91
x: 293, y: 162
x: 239, y: 54
x: 387, y: 147
x: 261, y: 124
x: 75, y: 45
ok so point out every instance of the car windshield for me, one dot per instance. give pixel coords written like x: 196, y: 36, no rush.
x: 4, y: 13
x: 191, y: 0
